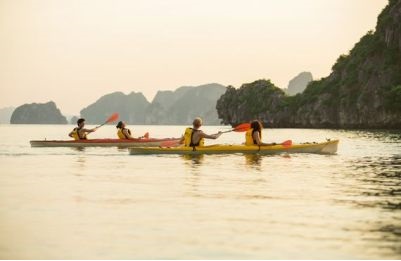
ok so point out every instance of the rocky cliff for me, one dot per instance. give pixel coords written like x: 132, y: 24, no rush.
x: 168, y: 107
x: 299, y: 83
x: 131, y: 108
x: 184, y: 104
x: 38, y: 113
x: 258, y: 100
x: 363, y: 90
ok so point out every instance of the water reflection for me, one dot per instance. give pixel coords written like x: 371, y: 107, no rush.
x: 193, y: 160
x: 253, y: 160
x: 80, y: 164
x: 389, y: 236
x: 375, y: 182
x: 380, y: 135
x: 79, y: 149
x: 192, y: 181
x: 378, y: 178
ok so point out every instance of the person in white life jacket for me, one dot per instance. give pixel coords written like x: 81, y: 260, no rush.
x: 254, y: 135
x: 195, y: 137
x: 80, y: 133
x: 122, y: 132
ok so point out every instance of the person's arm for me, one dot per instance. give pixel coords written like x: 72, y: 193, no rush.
x: 83, y: 131
x: 212, y: 136
x: 181, y: 140
x: 259, y: 142
x: 89, y: 130
x: 70, y: 134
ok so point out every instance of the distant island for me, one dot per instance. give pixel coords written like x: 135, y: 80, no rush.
x: 363, y: 90
x: 5, y: 114
x: 298, y: 83
x: 38, y: 113
x: 184, y: 104
x: 177, y: 107
x: 168, y: 107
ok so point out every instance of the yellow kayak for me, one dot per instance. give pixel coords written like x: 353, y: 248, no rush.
x: 328, y: 147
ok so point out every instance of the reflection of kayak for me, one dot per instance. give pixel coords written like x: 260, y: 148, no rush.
x: 329, y: 147
x: 104, y: 142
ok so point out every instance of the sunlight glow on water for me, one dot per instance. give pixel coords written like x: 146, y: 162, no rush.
x: 101, y: 203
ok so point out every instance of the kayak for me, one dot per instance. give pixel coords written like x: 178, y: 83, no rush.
x: 105, y: 143
x: 328, y: 147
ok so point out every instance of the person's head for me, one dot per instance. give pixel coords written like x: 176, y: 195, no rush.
x: 81, y: 122
x: 256, y: 125
x: 120, y: 125
x: 197, y: 122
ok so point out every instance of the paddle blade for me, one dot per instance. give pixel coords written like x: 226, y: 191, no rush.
x: 146, y: 135
x: 242, y: 127
x: 287, y: 143
x: 112, y: 118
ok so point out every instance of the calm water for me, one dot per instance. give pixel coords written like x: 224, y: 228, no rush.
x: 101, y: 203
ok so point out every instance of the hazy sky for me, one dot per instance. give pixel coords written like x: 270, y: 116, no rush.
x: 73, y: 52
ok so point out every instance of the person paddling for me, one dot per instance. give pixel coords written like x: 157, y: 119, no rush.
x: 122, y: 132
x: 80, y: 133
x: 195, y: 137
x: 254, y: 135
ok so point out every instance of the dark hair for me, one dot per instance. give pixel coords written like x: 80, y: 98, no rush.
x: 79, y: 121
x: 119, y: 125
x: 256, y: 125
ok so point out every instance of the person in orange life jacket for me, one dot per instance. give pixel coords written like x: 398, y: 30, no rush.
x: 195, y: 137
x: 122, y: 132
x: 254, y: 135
x: 79, y: 133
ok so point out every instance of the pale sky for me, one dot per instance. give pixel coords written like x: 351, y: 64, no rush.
x: 73, y: 52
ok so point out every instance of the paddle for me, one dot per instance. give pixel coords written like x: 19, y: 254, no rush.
x: 240, y: 128
x: 112, y: 118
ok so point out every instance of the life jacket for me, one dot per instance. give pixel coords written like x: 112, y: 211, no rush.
x: 189, y: 133
x: 77, y: 136
x: 249, y: 140
x: 121, y: 135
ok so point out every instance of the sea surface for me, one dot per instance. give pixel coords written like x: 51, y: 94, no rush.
x: 102, y: 203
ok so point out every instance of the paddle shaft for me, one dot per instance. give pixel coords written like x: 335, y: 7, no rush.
x: 101, y: 125
x: 112, y: 118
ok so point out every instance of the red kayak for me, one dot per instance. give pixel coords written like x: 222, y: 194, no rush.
x: 171, y: 142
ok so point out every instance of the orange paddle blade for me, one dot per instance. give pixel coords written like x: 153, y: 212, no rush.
x: 242, y: 127
x: 287, y: 143
x: 112, y: 118
x: 146, y: 135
